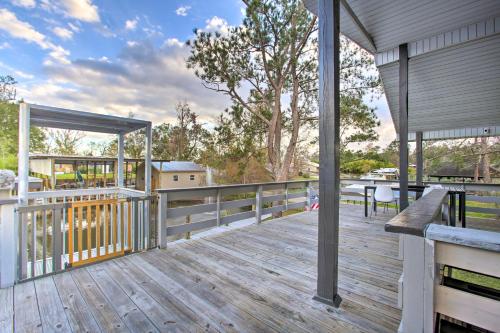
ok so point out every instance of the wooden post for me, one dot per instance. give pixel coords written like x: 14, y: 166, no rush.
x: 105, y: 174
x: 126, y: 174
x: 308, y: 196
x: 162, y: 220
x: 95, y: 174
x: 218, y: 215
x: 329, y: 150
x: 286, y: 196
x: 87, y: 175
x: 53, y: 179
x: 188, y: 221
x: 121, y: 158
x: 8, y: 241
x: 420, y: 158
x: 57, y: 247
x: 419, y: 272
x: 24, y: 151
x: 403, y: 126
x: 258, y: 204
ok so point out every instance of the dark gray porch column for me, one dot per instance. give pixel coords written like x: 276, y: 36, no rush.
x: 403, y: 126
x: 420, y: 158
x: 329, y: 152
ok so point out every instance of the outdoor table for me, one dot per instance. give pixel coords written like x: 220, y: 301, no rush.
x: 419, y: 189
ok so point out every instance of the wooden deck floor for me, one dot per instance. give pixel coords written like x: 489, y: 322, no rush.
x: 260, y: 278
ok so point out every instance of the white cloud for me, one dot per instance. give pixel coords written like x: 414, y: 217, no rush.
x: 74, y: 27
x: 16, y: 73
x: 19, y: 29
x: 5, y: 45
x: 24, y: 3
x: 82, y: 10
x: 131, y: 24
x: 182, y: 10
x: 173, y: 42
x: 25, y: 31
x: 144, y: 79
x: 217, y: 24
x: 63, y: 33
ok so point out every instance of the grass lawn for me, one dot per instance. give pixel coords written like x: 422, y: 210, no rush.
x: 71, y: 176
x: 479, y: 279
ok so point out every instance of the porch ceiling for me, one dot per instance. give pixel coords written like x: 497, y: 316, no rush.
x: 454, y: 67
x: 47, y: 116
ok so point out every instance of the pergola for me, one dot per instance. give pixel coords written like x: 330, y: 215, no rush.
x: 440, y: 66
x: 46, y: 116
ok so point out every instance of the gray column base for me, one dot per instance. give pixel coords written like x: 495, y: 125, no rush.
x: 335, y: 302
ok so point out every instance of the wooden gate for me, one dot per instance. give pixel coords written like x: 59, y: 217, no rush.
x: 98, y: 230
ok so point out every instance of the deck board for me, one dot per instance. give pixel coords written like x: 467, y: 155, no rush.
x: 260, y: 278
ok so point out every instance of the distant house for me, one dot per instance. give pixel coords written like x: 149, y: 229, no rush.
x: 174, y: 174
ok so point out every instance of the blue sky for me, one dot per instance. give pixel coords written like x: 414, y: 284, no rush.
x: 115, y: 57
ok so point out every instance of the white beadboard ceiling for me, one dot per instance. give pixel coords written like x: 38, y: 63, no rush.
x: 454, y: 67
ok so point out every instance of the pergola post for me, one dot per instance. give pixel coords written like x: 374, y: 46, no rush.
x: 403, y: 126
x: 121, y: 159
x: 420, y: 158
x: 24, y: 153
x: 329, y: 174
x: 147, y: 160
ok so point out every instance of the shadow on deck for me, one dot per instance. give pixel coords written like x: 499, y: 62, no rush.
x: 260, y: 278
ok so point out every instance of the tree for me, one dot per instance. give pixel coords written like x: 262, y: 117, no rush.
x: 135, y: 144
x: 66, y: 142
x: 186, y: 136
x: 181, y: 141
x: 236, y: 146
x: 7, y: 88
x: 268, y: 67
x: 9, y: 124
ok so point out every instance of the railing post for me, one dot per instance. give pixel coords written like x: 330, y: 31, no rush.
x: 308, y: 196
x: 258, y: 204
x: 56, y: 239
x: 135, y: 219
x: 162, y: 220
x: 8, y: 237
x: 286, y: 196
x: 218, y: 207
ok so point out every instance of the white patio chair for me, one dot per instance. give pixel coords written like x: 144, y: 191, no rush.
x: 428, y: 189
x: 385, y: 195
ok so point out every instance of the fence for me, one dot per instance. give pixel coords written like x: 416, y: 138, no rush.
x: 227, y: 204
x: 54, y: 233
x: 480, y: 198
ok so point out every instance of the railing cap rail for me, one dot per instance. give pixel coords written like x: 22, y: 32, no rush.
x: 417, y: 216
x: 481, y: 239
x: 8, y: 201
x: 218, y: 187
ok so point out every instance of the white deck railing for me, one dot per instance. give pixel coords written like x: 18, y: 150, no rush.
x: 34, y: 238
x: 427, y: 246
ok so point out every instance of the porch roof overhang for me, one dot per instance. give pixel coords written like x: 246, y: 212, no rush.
x: 454, y: 67
x: 48, y: 116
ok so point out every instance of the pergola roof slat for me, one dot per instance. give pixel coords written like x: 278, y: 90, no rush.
x: 47, y: 116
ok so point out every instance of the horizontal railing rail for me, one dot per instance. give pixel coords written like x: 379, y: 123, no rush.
x: 226, y: 204
x: 480, y: 198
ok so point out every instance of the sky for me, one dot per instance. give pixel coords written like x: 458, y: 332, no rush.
x: 118, y: 57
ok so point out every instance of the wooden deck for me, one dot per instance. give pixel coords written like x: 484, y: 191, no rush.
x: 260, y: 278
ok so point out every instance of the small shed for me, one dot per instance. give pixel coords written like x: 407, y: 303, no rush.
x: 174, y: 174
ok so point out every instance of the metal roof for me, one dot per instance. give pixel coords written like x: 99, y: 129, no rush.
x: 73, y: 158
x: 178, y: 166
x: 47, y: 116
x: 454, y: 67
